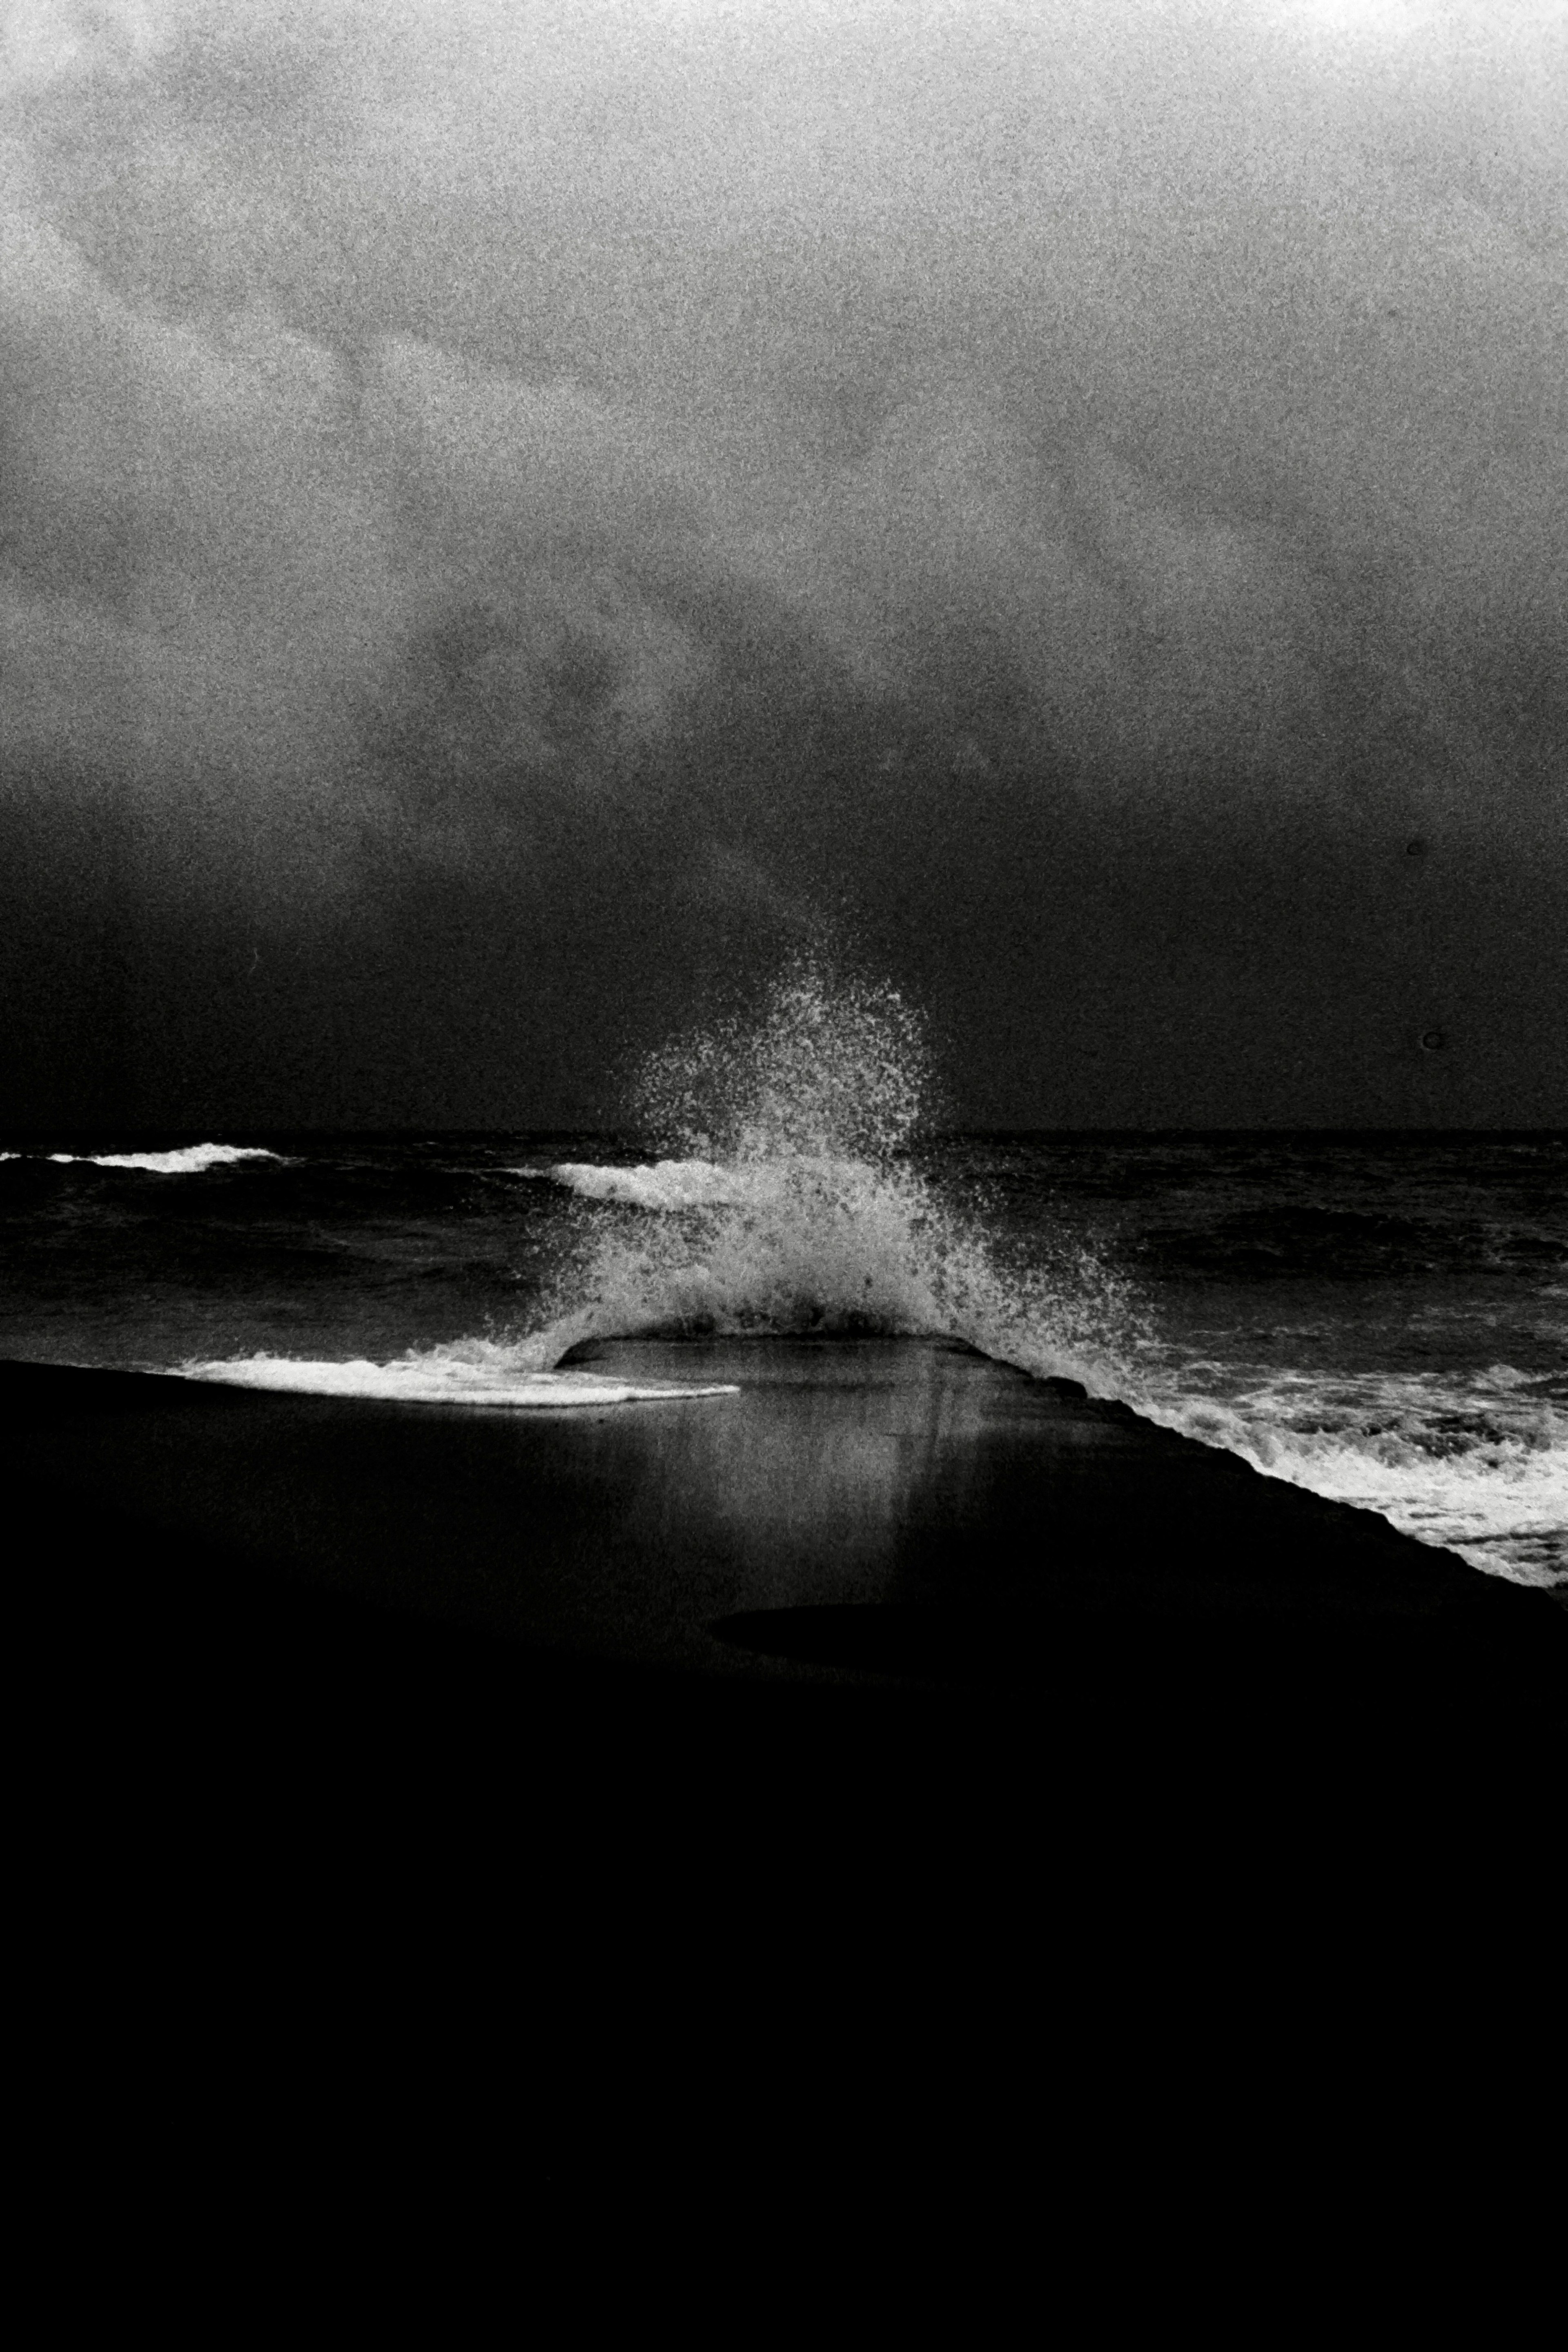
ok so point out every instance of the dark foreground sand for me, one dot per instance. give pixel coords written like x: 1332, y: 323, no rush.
x: 863, y: 1511
x: 620, y: 1714
x: 888, y: 1586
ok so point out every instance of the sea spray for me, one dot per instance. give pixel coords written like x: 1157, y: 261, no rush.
x: 796, y: 1207
x: 834, y: 1068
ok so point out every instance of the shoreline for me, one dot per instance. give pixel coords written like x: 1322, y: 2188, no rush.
x: 855, y: 1473
x: 892, y: 1605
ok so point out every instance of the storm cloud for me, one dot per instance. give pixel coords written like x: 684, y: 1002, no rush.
x: 515, y: 516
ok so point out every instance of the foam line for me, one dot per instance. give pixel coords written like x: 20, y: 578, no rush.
x: 433, y: 1379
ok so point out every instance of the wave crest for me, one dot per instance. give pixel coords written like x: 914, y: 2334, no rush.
x: 812, y: 1218
x: 194, y: 1160
x: 663, y: 1184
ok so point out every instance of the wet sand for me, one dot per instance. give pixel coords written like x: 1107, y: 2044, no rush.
x: 851, y: 1733
x: 867, y: 1507
x: 889, y: 1585
x: 859, y: 1473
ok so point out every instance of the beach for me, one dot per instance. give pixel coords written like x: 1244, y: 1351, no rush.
x: 891, y: 1709
x: 784, y: 1131
x: 858, y: 1519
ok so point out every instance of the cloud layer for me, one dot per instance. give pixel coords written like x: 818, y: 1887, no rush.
x: 513, y: 512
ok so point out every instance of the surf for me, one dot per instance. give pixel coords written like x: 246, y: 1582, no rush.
x: 1479, y: 1467
x: 790, y: 1183
x: 792, y: 1203
x: 470, y: 1373
x: 193, y: 1160
x: 667, y: 1185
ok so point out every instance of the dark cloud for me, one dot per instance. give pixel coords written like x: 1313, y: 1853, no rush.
x: 514, y: 515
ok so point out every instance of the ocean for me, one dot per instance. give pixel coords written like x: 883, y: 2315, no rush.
x: 1380, y: 1318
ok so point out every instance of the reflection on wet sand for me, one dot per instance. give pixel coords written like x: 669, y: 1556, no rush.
x: 853, y: 1474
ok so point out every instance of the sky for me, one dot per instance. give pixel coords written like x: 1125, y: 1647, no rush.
x: 519, y: 520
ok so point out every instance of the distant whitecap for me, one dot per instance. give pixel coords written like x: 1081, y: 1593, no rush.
x: 192, y: 1162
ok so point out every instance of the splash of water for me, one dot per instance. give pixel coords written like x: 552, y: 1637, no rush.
x: 834, y: 1070
x: 795, y: 1208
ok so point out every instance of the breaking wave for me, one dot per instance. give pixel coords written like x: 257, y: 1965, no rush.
x: 790, y: 1205
x: 194, y: 1160
x: 781, y: 1193
x: 1481, y: 1469
x: 794, y: 1205
x: 669, y: 1184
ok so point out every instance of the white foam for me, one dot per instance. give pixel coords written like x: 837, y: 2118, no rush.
x: 194, y: 1160
x: 812, y: 1220
x: 661, y: 1184
x: 1480, y: 1468
x: 471, y: 1373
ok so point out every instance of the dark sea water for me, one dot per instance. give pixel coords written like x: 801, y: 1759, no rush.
x: 1383, y: 1318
